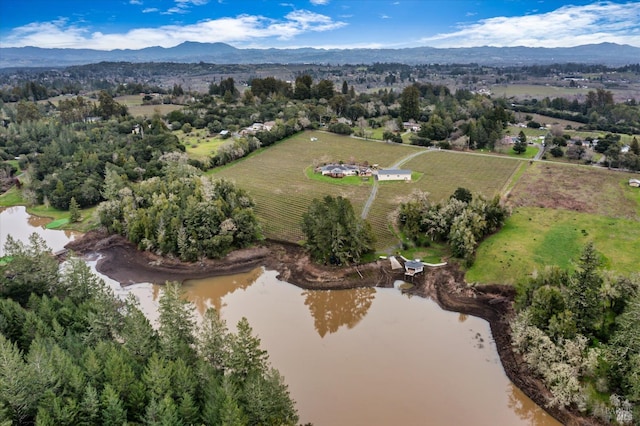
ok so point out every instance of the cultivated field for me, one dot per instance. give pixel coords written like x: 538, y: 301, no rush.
x: 442, y: 173
x: 276, y: 177
x: 528, y: 91
x: 558, y: 208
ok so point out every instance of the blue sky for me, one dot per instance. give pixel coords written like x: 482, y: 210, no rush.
x: 135, y: 24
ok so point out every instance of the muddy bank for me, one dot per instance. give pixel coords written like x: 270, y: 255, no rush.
x: 120, y: 260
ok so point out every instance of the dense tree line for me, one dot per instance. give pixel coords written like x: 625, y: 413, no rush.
x: 334, y: 234
x: 75, y: 354
x: 462, y: 221
x: 597, y: 112
x: 578, y: 330
x: 182, y: 214
x: 65, y: 156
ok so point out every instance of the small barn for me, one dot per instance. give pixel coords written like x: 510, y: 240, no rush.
x: 394, y: 174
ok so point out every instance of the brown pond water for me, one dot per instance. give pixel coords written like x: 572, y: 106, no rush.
x: 351, y: 357
x: 15, y: 221
x: 371, y: 356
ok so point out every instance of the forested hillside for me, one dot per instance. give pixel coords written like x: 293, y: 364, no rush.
x: 72, y: 353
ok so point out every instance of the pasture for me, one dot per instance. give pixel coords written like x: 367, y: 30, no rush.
x: 558, y: 208
x: 199, y: 144
x: 534, y: 238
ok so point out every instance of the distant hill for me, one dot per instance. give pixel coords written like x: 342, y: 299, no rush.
x: 605, y: 53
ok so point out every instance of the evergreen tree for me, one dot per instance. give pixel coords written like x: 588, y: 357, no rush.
x: 410, y: 103
x: 520, y: 145
x: 334, y: 233
x: 74, y: 210
x: 113, y: 412
x: 176, y: 324
x: 583, y: 291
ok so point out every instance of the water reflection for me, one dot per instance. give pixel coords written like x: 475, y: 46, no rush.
x: 209, y: 292
x: 532, y: 414
x: 15, y: 221
x: 333, y: 309
x: 407, y: 361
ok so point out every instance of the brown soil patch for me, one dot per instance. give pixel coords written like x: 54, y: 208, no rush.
x: 586, y: 189
x: 494, y: 303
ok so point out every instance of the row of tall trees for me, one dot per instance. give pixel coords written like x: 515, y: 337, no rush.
x: 578, y: 330
x: 75, y: 354
x: 598, y: 111
x: 462, y: 221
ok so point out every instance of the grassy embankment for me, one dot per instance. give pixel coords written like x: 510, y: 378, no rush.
x: 59, y: 218
x: 557, y: 210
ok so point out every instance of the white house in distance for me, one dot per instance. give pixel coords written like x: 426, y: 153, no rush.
x: 393, y: 174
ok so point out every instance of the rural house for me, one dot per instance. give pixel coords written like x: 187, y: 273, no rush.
x: 342, y: 170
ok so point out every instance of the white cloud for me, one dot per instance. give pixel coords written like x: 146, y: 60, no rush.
x: 563, y: 27
x: 383, y: 16
x: 150, y: 10
x: 242, y: 29
x: 319, y: 2
x: 135, y: 1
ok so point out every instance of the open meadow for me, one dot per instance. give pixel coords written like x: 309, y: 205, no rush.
x: 136, y: 108
x: 558, y: 208
x: 200, y: 145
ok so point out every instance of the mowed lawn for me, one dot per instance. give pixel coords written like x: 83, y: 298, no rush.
x: 557, y: 210
x: 277, y: 181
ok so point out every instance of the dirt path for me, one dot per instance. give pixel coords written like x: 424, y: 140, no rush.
x: 120, y: 260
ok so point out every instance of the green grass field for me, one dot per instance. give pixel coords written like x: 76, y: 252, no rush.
x: 200, y: 145
x: 534, y: 238
x: 508, y: 150
x: 558, y: 209
x: 13, y: 197
x: 135, y: 107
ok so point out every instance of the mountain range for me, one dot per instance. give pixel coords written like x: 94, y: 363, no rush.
x: 189, y: 52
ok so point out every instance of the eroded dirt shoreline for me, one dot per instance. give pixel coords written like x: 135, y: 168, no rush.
x: 121, y: 261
